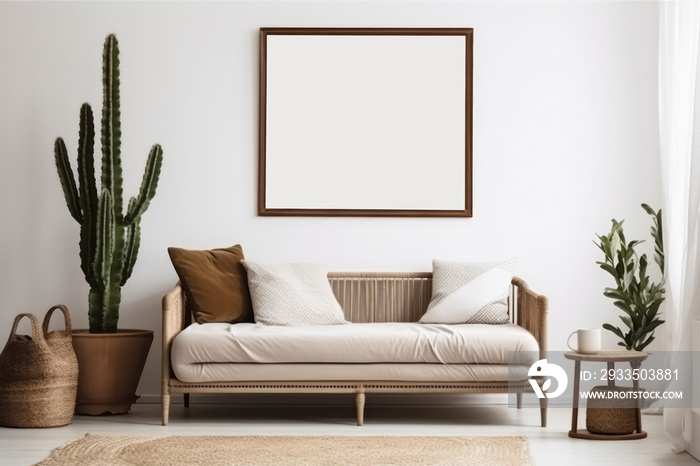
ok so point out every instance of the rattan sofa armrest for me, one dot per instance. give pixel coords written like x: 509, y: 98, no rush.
x: 533, y: 313
x: 173, y: 323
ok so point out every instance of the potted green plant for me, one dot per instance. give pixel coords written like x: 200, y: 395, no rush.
x: 111, y: 360
x: 634, y: 293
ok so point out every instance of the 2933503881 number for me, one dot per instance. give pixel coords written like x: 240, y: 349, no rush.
x: 638, y: 374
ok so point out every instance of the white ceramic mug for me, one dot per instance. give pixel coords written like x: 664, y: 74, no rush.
x: 588, y: 340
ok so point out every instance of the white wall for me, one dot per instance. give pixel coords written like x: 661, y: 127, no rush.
x: 565, y: 138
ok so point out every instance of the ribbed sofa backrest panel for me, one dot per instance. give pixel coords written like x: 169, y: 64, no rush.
x: 382, y: 296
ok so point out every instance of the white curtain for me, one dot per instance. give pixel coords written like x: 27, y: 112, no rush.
x: 679, y: 30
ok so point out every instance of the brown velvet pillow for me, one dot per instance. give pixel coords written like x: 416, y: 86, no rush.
x: 215, y: 283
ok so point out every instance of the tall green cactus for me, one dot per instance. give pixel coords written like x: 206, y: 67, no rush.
x: 109, y: 238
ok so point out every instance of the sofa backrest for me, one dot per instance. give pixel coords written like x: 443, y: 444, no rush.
x: 382, y: 296
x: 388, y: 296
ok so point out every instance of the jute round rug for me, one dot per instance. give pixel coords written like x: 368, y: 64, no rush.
x: 154, y: 450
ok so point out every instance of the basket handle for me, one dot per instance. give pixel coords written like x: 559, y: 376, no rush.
x: 37, y: 335
x: 66, y: 316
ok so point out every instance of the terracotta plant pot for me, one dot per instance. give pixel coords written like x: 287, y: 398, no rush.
x: 110, y: 366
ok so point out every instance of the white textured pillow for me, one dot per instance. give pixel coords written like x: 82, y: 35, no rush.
x: 471, y: 293
x: 292, y: 295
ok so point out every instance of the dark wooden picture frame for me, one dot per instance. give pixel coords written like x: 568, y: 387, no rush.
x: 461, y: 207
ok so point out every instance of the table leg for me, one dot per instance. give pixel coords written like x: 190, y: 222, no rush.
x: 637, y: 401
x: 574, y: 409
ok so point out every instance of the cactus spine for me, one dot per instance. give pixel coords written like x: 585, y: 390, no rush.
x: 109, y: 238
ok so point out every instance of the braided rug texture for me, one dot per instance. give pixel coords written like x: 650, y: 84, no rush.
x: 154, y: 450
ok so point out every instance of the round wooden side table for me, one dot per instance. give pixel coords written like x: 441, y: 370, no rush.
x: 610, y: 357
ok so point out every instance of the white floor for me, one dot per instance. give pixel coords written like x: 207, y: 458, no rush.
x: 550, y: 445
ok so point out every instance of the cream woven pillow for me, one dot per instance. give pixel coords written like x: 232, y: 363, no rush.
x: 471, y: 293
x: 292, y: 295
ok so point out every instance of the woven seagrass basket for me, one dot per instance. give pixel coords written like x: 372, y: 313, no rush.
x: 38, y: 375
x: 610, y: 416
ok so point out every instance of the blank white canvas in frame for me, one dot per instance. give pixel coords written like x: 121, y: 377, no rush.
x: 365, y: 122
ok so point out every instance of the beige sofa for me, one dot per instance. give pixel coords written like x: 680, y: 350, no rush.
x: 388, y: 352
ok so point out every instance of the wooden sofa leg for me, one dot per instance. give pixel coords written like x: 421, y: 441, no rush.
x: 187, y: 400
x: 165, y: 408
x: 360, y: 406
x: 519, y: 402
x: 543, y: 412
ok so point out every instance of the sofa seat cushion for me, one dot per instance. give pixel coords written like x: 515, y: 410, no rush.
x: 428, y: 373
x: 374, y: 343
